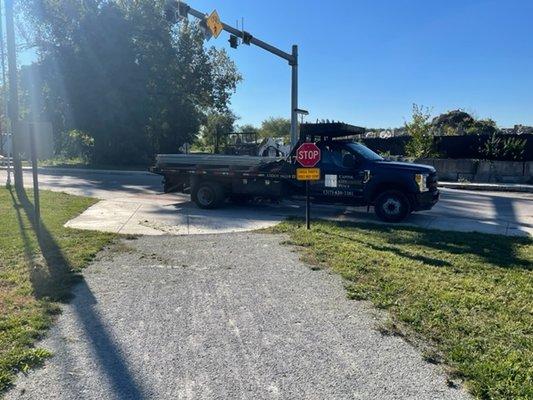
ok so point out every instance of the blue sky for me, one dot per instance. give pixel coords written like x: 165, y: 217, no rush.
x: 366, y: 62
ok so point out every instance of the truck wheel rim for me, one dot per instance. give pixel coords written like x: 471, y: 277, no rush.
x: 205, y: 196
x: 392, y: 206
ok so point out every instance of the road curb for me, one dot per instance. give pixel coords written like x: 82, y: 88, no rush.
x: 490, y: 187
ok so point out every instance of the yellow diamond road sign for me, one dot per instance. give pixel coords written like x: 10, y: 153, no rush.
x: 214, y: 24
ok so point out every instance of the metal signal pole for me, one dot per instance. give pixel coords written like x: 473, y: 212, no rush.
x: 13, y: 94
x: 294, y: 96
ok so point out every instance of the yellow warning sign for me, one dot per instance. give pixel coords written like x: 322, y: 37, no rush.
x: 308, y: 174
x: 214, y: 24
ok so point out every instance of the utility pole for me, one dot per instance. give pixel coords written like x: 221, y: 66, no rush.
x: 4, y: 98
x: 177, y: 10
x: 13, y: 95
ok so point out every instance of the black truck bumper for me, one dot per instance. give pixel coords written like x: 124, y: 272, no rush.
x: 426, y: 200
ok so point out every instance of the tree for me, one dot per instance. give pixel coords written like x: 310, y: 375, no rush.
x: 459, y: 122
x: 275, y: 127
x: 247, y: 128
x: 215, y: 129
x: 120, y: 73
x: 421, y: 143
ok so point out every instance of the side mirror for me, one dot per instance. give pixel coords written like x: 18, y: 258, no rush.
x: 348, y: 161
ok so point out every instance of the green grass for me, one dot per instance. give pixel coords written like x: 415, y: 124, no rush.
x: 468, y: 295
x: 36, y: 274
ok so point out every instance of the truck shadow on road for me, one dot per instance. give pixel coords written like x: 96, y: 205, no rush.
x: 53, y: 279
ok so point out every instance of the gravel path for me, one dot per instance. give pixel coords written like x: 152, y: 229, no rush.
x: 222, y: 317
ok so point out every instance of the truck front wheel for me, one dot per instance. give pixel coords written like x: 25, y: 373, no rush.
x: 208, y: 195
x: 392, y: 206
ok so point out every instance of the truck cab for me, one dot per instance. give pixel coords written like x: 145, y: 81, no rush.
x: 352, y: 174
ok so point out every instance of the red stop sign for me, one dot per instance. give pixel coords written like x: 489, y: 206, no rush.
x: 308, y: 155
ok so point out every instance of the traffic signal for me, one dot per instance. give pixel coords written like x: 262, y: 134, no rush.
x: 233, y: 41
x: 176, y: 11
x: 246, y: 38
x: 183, y: 10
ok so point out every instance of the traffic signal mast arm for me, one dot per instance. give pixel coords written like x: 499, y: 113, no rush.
x: 245, y: 36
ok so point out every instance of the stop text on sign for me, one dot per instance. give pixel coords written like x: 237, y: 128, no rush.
x: 308, y: 155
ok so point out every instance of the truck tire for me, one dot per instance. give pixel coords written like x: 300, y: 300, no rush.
x: 208, y: 195
x: 392, y: 206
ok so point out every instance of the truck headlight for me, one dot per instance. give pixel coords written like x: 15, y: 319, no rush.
x: 421, y: 181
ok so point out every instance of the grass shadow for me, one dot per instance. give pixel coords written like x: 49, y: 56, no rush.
x: 435, y: 262
x: 53, y: 279
x: 500, y: 251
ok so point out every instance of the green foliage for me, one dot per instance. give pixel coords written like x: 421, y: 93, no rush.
x: 120, y: 73
x: 468, y: 295
x: 30, y: 281
x: 275, y: 127
x: 449, y: 131
x: 78, y: 144
x: 514, y: 148
x: 459, y: 122
x: 214, y: 131
x: 499, y: 147
x: 421, y: 143
x: 492, y: 148
x: 483, y: 127
x: 247, y: 128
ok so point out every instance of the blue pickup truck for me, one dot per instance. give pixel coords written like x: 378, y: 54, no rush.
x: 350, y: 174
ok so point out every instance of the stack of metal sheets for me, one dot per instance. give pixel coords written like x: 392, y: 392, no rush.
x: 166, y: 160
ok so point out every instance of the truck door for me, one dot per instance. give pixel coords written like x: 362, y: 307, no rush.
x: 341, y: 175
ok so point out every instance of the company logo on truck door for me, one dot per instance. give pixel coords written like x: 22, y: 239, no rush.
x: 308, y: 155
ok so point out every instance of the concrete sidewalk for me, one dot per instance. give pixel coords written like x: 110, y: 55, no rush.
x: 222, y: 317
x: 176, y: 215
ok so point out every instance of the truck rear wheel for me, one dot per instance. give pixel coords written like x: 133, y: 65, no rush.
x: 208, y: 195
x: 392, y: 206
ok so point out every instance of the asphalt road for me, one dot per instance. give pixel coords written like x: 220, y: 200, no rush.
x: 134, y: 204
x: 237, y: 317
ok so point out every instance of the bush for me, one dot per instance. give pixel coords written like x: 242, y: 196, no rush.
x: 499, y: 148
x: 492, y: 148
x: 77, y: 144
x: 421, y: 144
x: 514, y: 148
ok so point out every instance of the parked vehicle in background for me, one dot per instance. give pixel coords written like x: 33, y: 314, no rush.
x: 351, y: 174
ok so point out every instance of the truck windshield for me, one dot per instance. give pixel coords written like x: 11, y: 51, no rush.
x: 364, y: 152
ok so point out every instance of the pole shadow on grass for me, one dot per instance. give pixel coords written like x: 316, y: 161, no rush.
x: 436, y: 262
x: 54, y: 281
x: 500, y: 251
